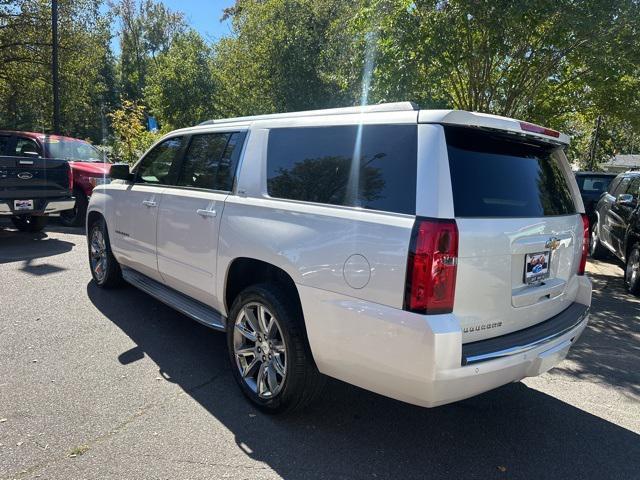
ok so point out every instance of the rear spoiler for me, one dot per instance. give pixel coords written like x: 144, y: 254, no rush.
x: 494, y: 122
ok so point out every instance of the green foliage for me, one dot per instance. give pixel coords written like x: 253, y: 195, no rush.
x: 561, y: 63
x: 131, y: 138
x: 558, y: 63
x: 180, y: 89
x: 86, y: 75
x: 147, y: 29
x: 281, y: 56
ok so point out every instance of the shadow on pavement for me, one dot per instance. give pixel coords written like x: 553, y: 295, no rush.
x: 512, y: 432
x: 609, y: 350
x: 18, y: 246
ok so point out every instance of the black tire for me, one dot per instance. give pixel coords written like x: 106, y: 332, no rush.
x: 109, y: 275
x: 28, y: 223
x: 597, y: 251
x: 76, y: 216
x: 302, y: 381
x: 632, y: 270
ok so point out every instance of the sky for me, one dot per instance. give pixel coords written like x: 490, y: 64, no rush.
x: 203, y: 15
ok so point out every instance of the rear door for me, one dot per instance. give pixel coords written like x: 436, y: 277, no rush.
x: 137, y: 206
x: 620, y: 214
x: 611, y: 222
x: 520, y: 232
x: 190, y: 213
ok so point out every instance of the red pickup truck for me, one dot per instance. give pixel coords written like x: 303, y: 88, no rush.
x: 89, y: 166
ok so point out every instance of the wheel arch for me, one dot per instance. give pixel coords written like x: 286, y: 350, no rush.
x: 92, y: 217
x: 632, y: 238
x: 245, y: 271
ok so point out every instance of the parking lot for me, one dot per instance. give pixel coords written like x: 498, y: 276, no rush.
x: 113, y: 384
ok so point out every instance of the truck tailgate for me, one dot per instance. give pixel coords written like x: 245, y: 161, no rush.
x: 33, y: 178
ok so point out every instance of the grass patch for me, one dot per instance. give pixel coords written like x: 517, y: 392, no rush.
x: 81, y: 450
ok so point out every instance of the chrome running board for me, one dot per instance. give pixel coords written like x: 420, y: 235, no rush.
x: 188, y: 306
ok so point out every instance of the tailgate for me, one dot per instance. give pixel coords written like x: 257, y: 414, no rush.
x: 520, y: 233
x: 22, y: 177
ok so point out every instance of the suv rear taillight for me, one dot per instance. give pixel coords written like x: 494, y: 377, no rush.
x: 585, y: 243
x: 431, y: 269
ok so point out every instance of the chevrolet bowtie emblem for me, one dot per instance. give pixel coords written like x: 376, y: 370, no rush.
x: 553, y: 243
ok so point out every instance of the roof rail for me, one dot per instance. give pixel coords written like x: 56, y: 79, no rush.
x: 381, y: 107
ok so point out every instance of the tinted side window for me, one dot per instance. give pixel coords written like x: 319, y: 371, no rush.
x: 614, y: 184
x: 202, y: 160
x: 372, y: 167
x: 633, y: 187
x: 5, y: 141
x: 229, y: 162
x: 497, y: 175
x: 621, y: 187
x: 156, y: 166
x: 25, y: 147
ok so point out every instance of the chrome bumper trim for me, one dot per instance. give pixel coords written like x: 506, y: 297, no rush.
x: 51, y: 207
x: 516, y: 349
x: 59, y: 205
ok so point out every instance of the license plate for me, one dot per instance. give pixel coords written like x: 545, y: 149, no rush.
x: 536, y: 267
x: 23, y: 205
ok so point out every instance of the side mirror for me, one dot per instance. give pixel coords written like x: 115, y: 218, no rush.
x: 120, y: 171
x: 625, y: 199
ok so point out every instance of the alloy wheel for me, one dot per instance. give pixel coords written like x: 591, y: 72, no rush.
x: 259, y: 350
x: 98, y: 249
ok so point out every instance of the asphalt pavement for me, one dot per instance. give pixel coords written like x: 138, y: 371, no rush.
x: 115, y: 385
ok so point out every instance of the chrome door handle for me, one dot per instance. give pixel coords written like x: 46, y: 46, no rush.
x: 206, y: 213
x: 149, y: 203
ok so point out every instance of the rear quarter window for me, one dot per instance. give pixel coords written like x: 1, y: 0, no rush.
x: 497, y: 175
x: 372, y: 166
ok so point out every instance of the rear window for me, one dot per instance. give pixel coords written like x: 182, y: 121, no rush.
x: 495, y: 175
x: 593, y: 184
x: 372, y: 166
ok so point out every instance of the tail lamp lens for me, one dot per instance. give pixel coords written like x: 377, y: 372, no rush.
x: 432, y: 267
x: 585, y: 244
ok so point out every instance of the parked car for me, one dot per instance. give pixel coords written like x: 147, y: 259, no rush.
x: 617, y: 228
x: 592, y: 185
x: 89, y: 165
x: 31, y: 188
x: 379, y: 245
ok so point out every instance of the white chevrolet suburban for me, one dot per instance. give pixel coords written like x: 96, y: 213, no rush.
x: 426, y: 255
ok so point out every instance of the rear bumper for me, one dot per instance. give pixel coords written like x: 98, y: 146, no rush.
x: 419, y: 358
x: 42, y: 206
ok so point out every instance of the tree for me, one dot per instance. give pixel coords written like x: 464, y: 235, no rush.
x: 25, y: 53
x: 131, y: 138
x: 180, y: 87
x: 147, y: 29
x: 281, y: 56
x: 549, y: 62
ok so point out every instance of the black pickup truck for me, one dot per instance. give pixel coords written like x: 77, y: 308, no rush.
x: 31, y: 188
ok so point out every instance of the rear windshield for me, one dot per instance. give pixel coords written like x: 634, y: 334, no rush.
x: 77, y: 150
x: 593, y: 183
x: 496, y: 175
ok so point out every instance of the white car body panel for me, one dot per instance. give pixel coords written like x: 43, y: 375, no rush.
x: 349, y: 264
x: 134, y: 228
x: 187, y: 241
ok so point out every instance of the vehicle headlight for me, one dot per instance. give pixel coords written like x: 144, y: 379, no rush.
x: 95, y: 181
